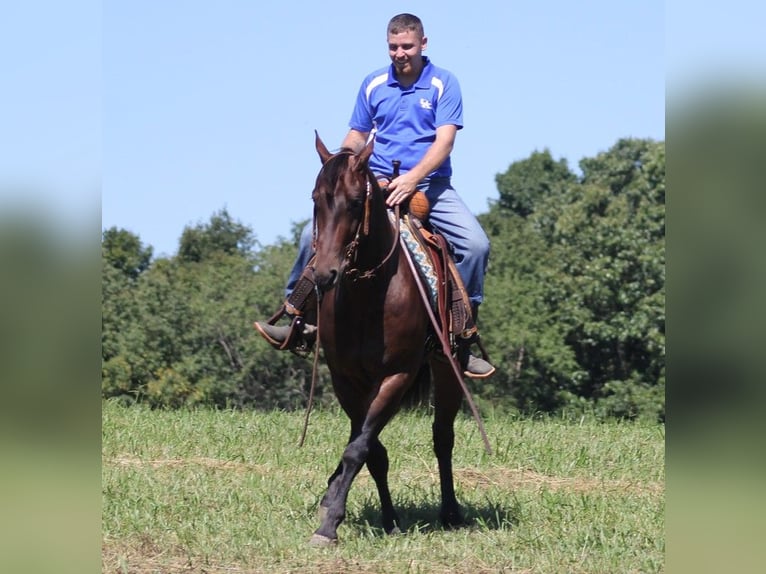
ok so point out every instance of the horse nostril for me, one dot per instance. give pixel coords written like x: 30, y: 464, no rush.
x: 326, y: 282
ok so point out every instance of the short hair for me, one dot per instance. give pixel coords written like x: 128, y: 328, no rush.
x: 404, y: 22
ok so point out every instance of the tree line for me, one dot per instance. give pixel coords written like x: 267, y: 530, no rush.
x: 573, y: 319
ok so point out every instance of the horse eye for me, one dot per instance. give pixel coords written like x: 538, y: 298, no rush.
x: 356, y: 204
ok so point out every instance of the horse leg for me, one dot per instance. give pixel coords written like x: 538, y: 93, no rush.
x: 383, y: 407
x: 377, y: 463
x: 327, y: 495
x: 330, y: 492
x: 333, y: 505
x: 447, y: 399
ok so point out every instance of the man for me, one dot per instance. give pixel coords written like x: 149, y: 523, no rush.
x: 413, y: 109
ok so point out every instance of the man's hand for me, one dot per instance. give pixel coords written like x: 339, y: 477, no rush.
x: 400, y: 189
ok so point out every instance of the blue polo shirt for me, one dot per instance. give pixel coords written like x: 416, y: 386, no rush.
x: 405, y: 119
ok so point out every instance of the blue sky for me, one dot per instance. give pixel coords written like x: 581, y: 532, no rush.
x: 175, y: 109
x: 50, y: 110
x: 213, y: 104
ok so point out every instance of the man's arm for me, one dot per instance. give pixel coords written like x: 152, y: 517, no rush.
x: 355, y: 140
x: 406, y: 184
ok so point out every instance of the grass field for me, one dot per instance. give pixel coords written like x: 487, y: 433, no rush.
x: 203, y: 491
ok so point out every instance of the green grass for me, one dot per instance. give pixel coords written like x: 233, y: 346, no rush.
x: 228, y: 491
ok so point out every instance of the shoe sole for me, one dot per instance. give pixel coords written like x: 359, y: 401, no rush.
x: 479, y: 376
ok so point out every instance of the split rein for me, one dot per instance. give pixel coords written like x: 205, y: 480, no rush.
x: 362, y: 231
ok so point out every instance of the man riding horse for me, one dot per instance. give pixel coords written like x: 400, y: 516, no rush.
x: 413, y: 110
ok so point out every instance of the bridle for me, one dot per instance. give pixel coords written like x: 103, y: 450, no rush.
x: 362, y: 231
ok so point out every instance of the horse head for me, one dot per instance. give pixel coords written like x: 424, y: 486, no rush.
x: 345, y: 196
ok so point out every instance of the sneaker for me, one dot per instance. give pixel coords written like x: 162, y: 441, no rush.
x: 478, y: 368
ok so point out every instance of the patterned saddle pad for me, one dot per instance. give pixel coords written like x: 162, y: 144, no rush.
x: 421, y: 258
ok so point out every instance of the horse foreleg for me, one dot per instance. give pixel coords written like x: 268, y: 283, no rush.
x: 377, y: 463
x: 333, y: 506
x: 447, y: 399
x: 357, y: 453
x: 330, y: 492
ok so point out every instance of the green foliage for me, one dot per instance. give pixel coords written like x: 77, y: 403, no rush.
x: 633, y: 399
x: 580, y: 279
x: 528, y: 181
x: 221, y: 235
x: 573, y: 318
x: 124, y: 251
x: 181, y: 333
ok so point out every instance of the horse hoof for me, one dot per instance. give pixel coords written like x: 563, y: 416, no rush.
x: 452, y: 520
x: 394, y: 531
x: 320, y: 541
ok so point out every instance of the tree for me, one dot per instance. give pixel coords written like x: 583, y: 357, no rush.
x: 573, y: 315
x: 182, y: 333
x: 528, y: 181
x: 608, y: 238
x: 124, y: 251
x: 124, y: 258
x: 576, y: 279
x: 222, y: 235
x: 526, y: 335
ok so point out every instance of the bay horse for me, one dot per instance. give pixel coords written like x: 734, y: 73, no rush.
x: 372, y: 325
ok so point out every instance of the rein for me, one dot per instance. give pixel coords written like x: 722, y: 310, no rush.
x: 363, y: 231
x: 314, y: 372
x: 443, y: 337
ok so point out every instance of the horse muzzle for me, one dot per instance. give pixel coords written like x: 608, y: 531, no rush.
x: 325, y: 279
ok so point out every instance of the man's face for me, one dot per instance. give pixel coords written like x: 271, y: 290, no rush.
x: 405, y: 49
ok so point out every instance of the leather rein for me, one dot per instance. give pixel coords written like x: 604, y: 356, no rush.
x: 362, y: 231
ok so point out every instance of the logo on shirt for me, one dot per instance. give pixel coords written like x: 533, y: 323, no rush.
x: 425, y: 104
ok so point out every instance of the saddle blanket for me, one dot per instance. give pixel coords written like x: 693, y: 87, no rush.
x: 420, y: 257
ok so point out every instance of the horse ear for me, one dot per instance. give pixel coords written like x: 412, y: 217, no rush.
x: 366, y: 152
x: 324, y: 153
